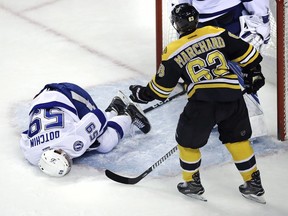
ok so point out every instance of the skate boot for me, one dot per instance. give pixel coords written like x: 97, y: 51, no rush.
x: 138, y: 117
x: 192, y: 188
x: 118, y: 104
x: 253, y: 189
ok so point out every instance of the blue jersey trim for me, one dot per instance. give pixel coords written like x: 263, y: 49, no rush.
x: 53, y: 104
x: 208, y: 15
x: 100, y: 115
x: 116, y: 127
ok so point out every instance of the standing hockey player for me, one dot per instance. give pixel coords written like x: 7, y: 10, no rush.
x: 248, y: 19
x: 65, y: 123
x: 200, y: 57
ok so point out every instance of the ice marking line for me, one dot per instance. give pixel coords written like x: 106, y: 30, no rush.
x: 40, y: 6
x: 72, y: 41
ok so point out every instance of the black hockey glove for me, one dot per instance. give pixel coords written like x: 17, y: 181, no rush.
x: 253, y: 80
x: 139, y: 94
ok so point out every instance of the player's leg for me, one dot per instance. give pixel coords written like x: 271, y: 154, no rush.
x: 235, y: 131
x: 190, y: 161
x: 244, y: 159
x: 117, y: 128
x: 193, y: 130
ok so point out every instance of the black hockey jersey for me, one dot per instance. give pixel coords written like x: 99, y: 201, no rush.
x: 201, y: 60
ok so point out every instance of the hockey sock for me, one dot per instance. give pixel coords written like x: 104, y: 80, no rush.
x: 244, y: 158
x: 190, y: 161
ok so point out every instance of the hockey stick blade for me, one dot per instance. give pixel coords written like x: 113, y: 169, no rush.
x: 130, y: 180
x: 126, y: 180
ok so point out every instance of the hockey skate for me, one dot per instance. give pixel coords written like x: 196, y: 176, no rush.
x: 123, y: 105
x: 253, y: 189
x: 193, y: 188
x: 118, y: 104
x: 138, y: 117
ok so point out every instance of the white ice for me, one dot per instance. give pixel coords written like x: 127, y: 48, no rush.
x: 105, y: 46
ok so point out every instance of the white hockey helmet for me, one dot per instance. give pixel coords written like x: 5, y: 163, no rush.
x: 56, y: 163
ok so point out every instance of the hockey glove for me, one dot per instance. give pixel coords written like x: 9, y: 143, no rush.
x: 139, y: 94
x: 255, y: 30
x: 253, y: 80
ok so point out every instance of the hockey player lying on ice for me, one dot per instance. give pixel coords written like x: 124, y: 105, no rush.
x: 65, y: 123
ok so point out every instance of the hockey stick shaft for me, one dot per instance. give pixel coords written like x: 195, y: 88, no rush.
x: 133, y: 180
x: 148, y: 109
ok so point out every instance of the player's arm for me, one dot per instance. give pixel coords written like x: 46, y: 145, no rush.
x: 248, y: 59
x: 160, y: 86
x: 91, y: 126
x: 255, y: 25
x: 239, y: 51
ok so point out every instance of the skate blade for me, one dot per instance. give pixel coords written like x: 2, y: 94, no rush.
x: 127, y: 101
x: 258, y: 199
x: 124, y: 98
x: 196, y: 196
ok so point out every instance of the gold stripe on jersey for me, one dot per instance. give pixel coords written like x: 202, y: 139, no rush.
x: 231, y: 76
x: 160, y: 91
x: 240, y: 58
x: 208, y: 85
x: 249, y: 56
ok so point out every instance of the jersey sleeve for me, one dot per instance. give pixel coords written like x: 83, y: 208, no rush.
x: 86, y: 132
x: 167, y: 76
x: 91, y: 126
x: 257, y: 7
x: 163, y: 82
x: 240, y: 51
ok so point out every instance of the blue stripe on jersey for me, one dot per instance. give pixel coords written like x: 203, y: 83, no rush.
x: 116, y: 127
x: 202, y: 16
x: 53, y: 104
x: 102, y: 118
x: 82, y: 104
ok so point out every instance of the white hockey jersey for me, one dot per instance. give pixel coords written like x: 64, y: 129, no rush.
x: 211, y: 9
x: 54, y: 123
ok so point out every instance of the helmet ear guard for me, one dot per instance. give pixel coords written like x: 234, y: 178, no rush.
x: 55, y: 162
x: 184, y: 18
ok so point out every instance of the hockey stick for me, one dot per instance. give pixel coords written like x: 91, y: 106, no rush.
x: 133, y: 180
x: 148, y: 109
x: 127, y: 180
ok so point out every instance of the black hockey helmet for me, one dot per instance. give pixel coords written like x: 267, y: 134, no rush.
x: 184, y: 18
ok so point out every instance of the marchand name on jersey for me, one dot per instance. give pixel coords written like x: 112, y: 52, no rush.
x: 196, y: 49
x: 44, y: 138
